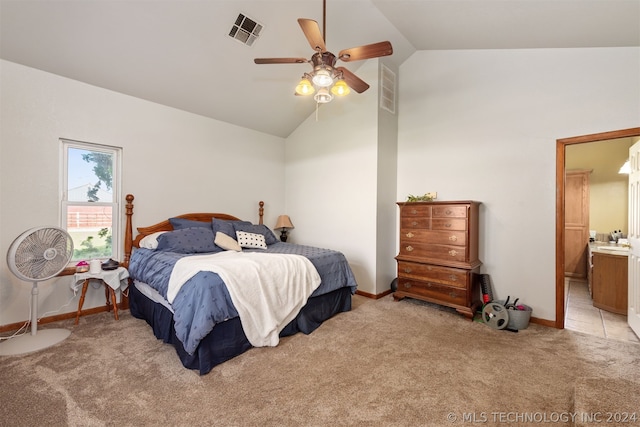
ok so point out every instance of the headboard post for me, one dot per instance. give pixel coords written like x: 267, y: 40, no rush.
x: 261, y: 211
x: 128, y: 230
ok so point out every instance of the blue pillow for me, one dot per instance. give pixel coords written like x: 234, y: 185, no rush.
x: 269, y: 237
x: 180, y: 223
x: 188, y: 241
x: 226, y: 226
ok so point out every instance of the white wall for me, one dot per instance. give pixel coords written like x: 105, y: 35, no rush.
x: 476, y: 125
x: 173, y: 162
x: 331, y: 170
x: 483, y: 125
x: 387, y: 210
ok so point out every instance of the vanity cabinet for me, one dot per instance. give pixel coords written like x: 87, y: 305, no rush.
x: 438, y: 257
x: 609, y: 280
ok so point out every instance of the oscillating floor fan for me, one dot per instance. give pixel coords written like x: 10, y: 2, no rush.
x: 38, y: 254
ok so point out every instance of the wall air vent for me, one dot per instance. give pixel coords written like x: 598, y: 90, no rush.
x: 387, y: 89
x: 245, y: 30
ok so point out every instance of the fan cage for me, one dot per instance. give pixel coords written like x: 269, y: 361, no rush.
x: 40, y: 253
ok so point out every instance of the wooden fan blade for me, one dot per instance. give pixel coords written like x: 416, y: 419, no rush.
x: 374, y: 50
x: 280, y: 60
x: 312, y: 31
x: 354, y: 82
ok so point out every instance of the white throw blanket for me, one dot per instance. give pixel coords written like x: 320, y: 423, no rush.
x: 268, y: 290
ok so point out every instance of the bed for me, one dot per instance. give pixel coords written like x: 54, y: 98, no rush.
x: 199, y: 281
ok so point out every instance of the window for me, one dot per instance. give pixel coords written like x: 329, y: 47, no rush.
x: 90, y: 199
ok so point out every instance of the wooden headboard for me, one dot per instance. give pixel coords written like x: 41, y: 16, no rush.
x: 130, y: 242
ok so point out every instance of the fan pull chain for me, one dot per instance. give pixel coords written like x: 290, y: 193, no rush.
x: 317, y: 107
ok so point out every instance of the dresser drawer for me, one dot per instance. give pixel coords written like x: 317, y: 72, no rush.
x: 450, y: 211
x: 445, y: 253
x: 433, y: 291
x: 414, y: 223
x: 455, y: 277
x: 448, y: 224
x: 415, y: 211
x: 455, y: 238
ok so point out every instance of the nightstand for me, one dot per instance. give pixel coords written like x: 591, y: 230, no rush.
x: 111, y: 279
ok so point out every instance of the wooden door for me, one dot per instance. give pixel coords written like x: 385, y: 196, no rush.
x: 633, y: 295
x: 576, y: 223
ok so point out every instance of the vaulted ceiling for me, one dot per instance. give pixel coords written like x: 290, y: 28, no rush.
x: 179, y: 52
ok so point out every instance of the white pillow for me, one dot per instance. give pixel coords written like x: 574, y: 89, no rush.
x: 226, y: 242
x: 251, y: 240
x: 150, y: 241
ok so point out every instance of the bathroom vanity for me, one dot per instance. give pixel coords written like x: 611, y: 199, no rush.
x: 607, y: 275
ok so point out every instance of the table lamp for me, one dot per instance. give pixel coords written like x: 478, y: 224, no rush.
x: 283, y: 224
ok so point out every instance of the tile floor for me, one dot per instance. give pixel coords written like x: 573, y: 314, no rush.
x: 582, y: 316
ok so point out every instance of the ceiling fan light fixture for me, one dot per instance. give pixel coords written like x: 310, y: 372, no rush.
x: 322, y: 78
x: 305, y: 87
x: 323, y: 96
x: 340, y: 88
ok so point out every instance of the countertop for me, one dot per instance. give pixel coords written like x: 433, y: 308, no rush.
x: 609, y: 249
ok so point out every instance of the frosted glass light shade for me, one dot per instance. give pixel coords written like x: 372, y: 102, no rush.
x: 322, y: 78
x: 323, y: 96
x: 305, y: 87
x: 340, y: 88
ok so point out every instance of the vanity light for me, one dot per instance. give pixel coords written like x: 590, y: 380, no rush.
x: 626, y: 168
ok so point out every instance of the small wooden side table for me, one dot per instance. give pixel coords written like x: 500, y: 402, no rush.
x: 111, y: 279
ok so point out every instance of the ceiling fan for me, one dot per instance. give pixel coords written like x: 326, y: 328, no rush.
x: 326, y: 80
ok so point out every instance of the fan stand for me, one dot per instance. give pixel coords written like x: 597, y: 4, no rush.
x: 36, y: 341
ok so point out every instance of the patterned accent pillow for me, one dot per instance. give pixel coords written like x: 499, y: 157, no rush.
x: 251, y: 240
x: 226, y: 242
x: 188, y: 241
x: 269, y: 237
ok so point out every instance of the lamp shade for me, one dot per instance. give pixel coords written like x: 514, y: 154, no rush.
x: 340, y: 88
x: 323, y: 96
x: 305, y: 87
x: 322, y: 78
x: 284, y: 222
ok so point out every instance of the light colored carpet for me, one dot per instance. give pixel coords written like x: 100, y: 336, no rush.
x: 610, y: 399
x: 385, y: 363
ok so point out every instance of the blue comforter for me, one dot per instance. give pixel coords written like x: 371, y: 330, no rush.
x: 204, y: 300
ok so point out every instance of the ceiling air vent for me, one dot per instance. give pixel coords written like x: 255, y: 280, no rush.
x: 387, y: 89
x: 245, y: 30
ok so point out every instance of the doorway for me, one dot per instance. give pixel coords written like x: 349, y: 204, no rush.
x: 561, y: 145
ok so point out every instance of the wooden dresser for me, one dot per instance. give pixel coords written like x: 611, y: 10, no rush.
x: 438, y: 258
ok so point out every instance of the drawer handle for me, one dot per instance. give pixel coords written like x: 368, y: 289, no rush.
x: 410, y: 234
x: 453, y: 294
x: 453, y: 278
x: 407, y: 285
x: 413, y: 211
x: 448, y: 211
x: 414, y: 223
x: 453, y: 252
x: 448, y: 225
x: 407, y: 270
x: 453, y: 238
x: 409, y: 248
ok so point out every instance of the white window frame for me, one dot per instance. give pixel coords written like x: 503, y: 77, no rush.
x: 116, y: 218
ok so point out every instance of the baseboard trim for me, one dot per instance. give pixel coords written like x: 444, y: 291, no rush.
x: 373, y: 296
x: 544, y: 322
x: 50, y: 319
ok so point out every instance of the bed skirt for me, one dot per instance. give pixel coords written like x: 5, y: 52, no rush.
x: 227, y: 339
